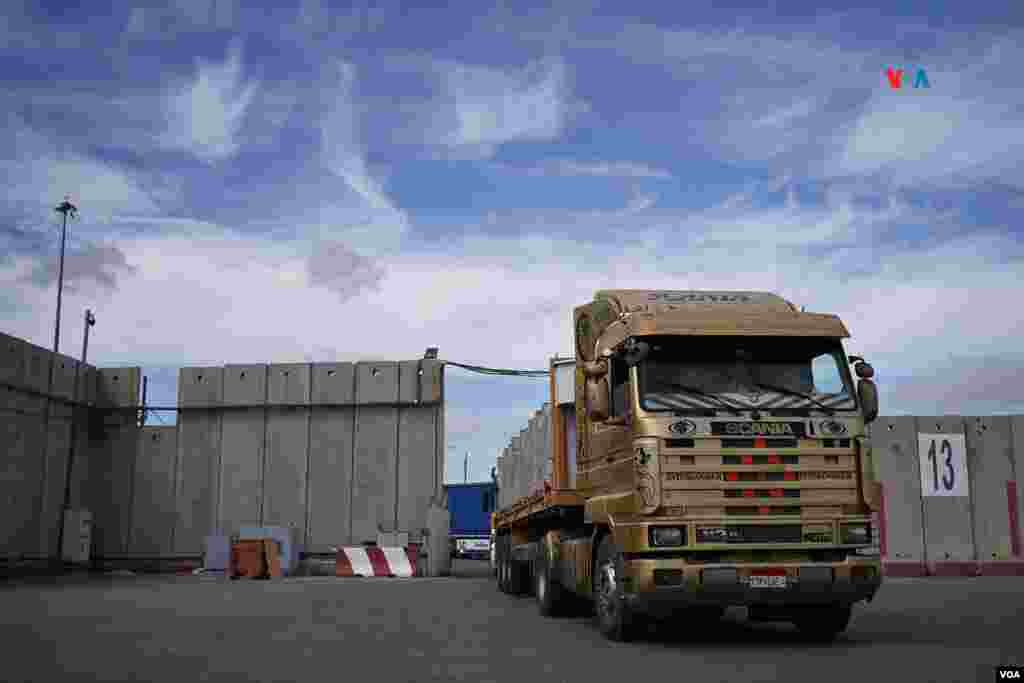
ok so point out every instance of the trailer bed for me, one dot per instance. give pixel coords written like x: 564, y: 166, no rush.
x: 539, y: 505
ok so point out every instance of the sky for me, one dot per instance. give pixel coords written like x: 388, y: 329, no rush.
x: 313, y: 182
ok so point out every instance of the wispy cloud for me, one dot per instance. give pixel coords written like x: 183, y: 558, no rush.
x: 483, y: 107
x: 205, y: 116
x: 604, y: 169
x: 37, y: 172
x: 377, y: 220
x: 955, y: 131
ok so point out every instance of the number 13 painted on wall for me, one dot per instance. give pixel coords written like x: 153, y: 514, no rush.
x: 943, y: 464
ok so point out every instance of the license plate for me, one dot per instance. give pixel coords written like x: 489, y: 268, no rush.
x: 767, y: 581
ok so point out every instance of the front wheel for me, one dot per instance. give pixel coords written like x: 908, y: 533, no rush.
x: 550, y: 595
x: 823, y: 623
x: 502, y: 562
x: 610, y: 609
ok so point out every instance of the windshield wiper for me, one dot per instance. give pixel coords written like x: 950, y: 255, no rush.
x: 791, y: 392
x: 722, y: 403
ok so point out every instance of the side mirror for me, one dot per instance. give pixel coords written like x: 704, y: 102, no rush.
x: 868, y: 393
x: 636, y: 352
x: 597, y: 398
x: 864, y: 370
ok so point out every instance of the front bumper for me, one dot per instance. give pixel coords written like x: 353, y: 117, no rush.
x: 681, y: 585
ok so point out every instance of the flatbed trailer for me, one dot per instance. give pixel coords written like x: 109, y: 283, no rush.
x: 721, y: 499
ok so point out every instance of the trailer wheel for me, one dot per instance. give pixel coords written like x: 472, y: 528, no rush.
x: 613, y: 615
x: 822, y: 623
x: 550, y: 594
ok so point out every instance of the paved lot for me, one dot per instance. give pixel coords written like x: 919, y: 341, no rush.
x: 460, y: 628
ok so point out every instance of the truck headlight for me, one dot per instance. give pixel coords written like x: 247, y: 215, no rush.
x: 857, y: 534
x: 667, y: 536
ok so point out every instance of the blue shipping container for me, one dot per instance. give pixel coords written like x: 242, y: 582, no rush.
x: 470, y: 507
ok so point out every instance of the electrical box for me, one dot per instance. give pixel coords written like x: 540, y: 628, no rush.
x: 77, y: 536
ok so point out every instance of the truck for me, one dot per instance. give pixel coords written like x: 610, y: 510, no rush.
x: 470, y: 506
x: 709, y: 450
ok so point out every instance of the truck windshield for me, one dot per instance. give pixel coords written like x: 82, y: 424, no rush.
x: 763, y: 373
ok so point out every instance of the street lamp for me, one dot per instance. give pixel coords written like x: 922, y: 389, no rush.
x: 64, y: 208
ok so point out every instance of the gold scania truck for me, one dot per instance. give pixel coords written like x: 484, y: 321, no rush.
x: 711, y: 453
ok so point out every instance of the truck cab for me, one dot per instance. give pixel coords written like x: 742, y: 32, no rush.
x: 721, y: 458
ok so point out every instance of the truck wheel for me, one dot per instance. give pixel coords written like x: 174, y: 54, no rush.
x: 823, y: 623
x: 519, y: 575
x: 610, y: 609
x: 502, y: 562
x: 550, y: 594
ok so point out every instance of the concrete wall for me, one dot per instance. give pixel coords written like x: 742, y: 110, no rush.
x: 337, y: 450
x: 976, y: 531
x: 37, y: 419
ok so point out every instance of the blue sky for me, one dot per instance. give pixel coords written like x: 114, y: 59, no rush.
x: 307, y: 181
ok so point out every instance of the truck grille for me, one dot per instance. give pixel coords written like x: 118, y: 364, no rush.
x: 806, y: 478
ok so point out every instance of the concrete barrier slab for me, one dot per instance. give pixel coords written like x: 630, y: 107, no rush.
x: 196, y: 477
x: 87, y: 384
x: 245, y: 385
x: 240, y: 493
x: 330, y: 478
x: 375, y: 478
x: 36, y: 368
x: 284, y: 472
x: 111, y: 472
x: 990, y: 462
x: 200, y: 387
x: 57, y: 445
x: 894, y: 441
x: 288, y: 384
x: 417, y: 463
x: 20, y: 483
x: 409, y: 381
x: 64, y: 371
x: 432, y: 382
x: 12, y: 360
x: 119, y: 387
x: 948, y: 534
x: 376, y: 382
x: 333, y: 384
x: 153, y: 510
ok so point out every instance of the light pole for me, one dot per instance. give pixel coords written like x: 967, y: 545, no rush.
x: 64, y: 208
x: 465, y: 468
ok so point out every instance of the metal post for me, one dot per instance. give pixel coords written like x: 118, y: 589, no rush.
x: 90, y: 320
x: 465, y: 466
x: 142, y: 413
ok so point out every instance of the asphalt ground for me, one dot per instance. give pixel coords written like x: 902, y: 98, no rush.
x: 460, y: 628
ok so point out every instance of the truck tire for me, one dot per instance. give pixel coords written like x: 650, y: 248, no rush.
x: 499, y: 563
x: 551, y: 598
x: 822, y: 623
x: 519, y: 577
x: 613, y: 616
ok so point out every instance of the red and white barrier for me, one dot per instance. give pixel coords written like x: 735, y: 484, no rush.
x: 374, y: 561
